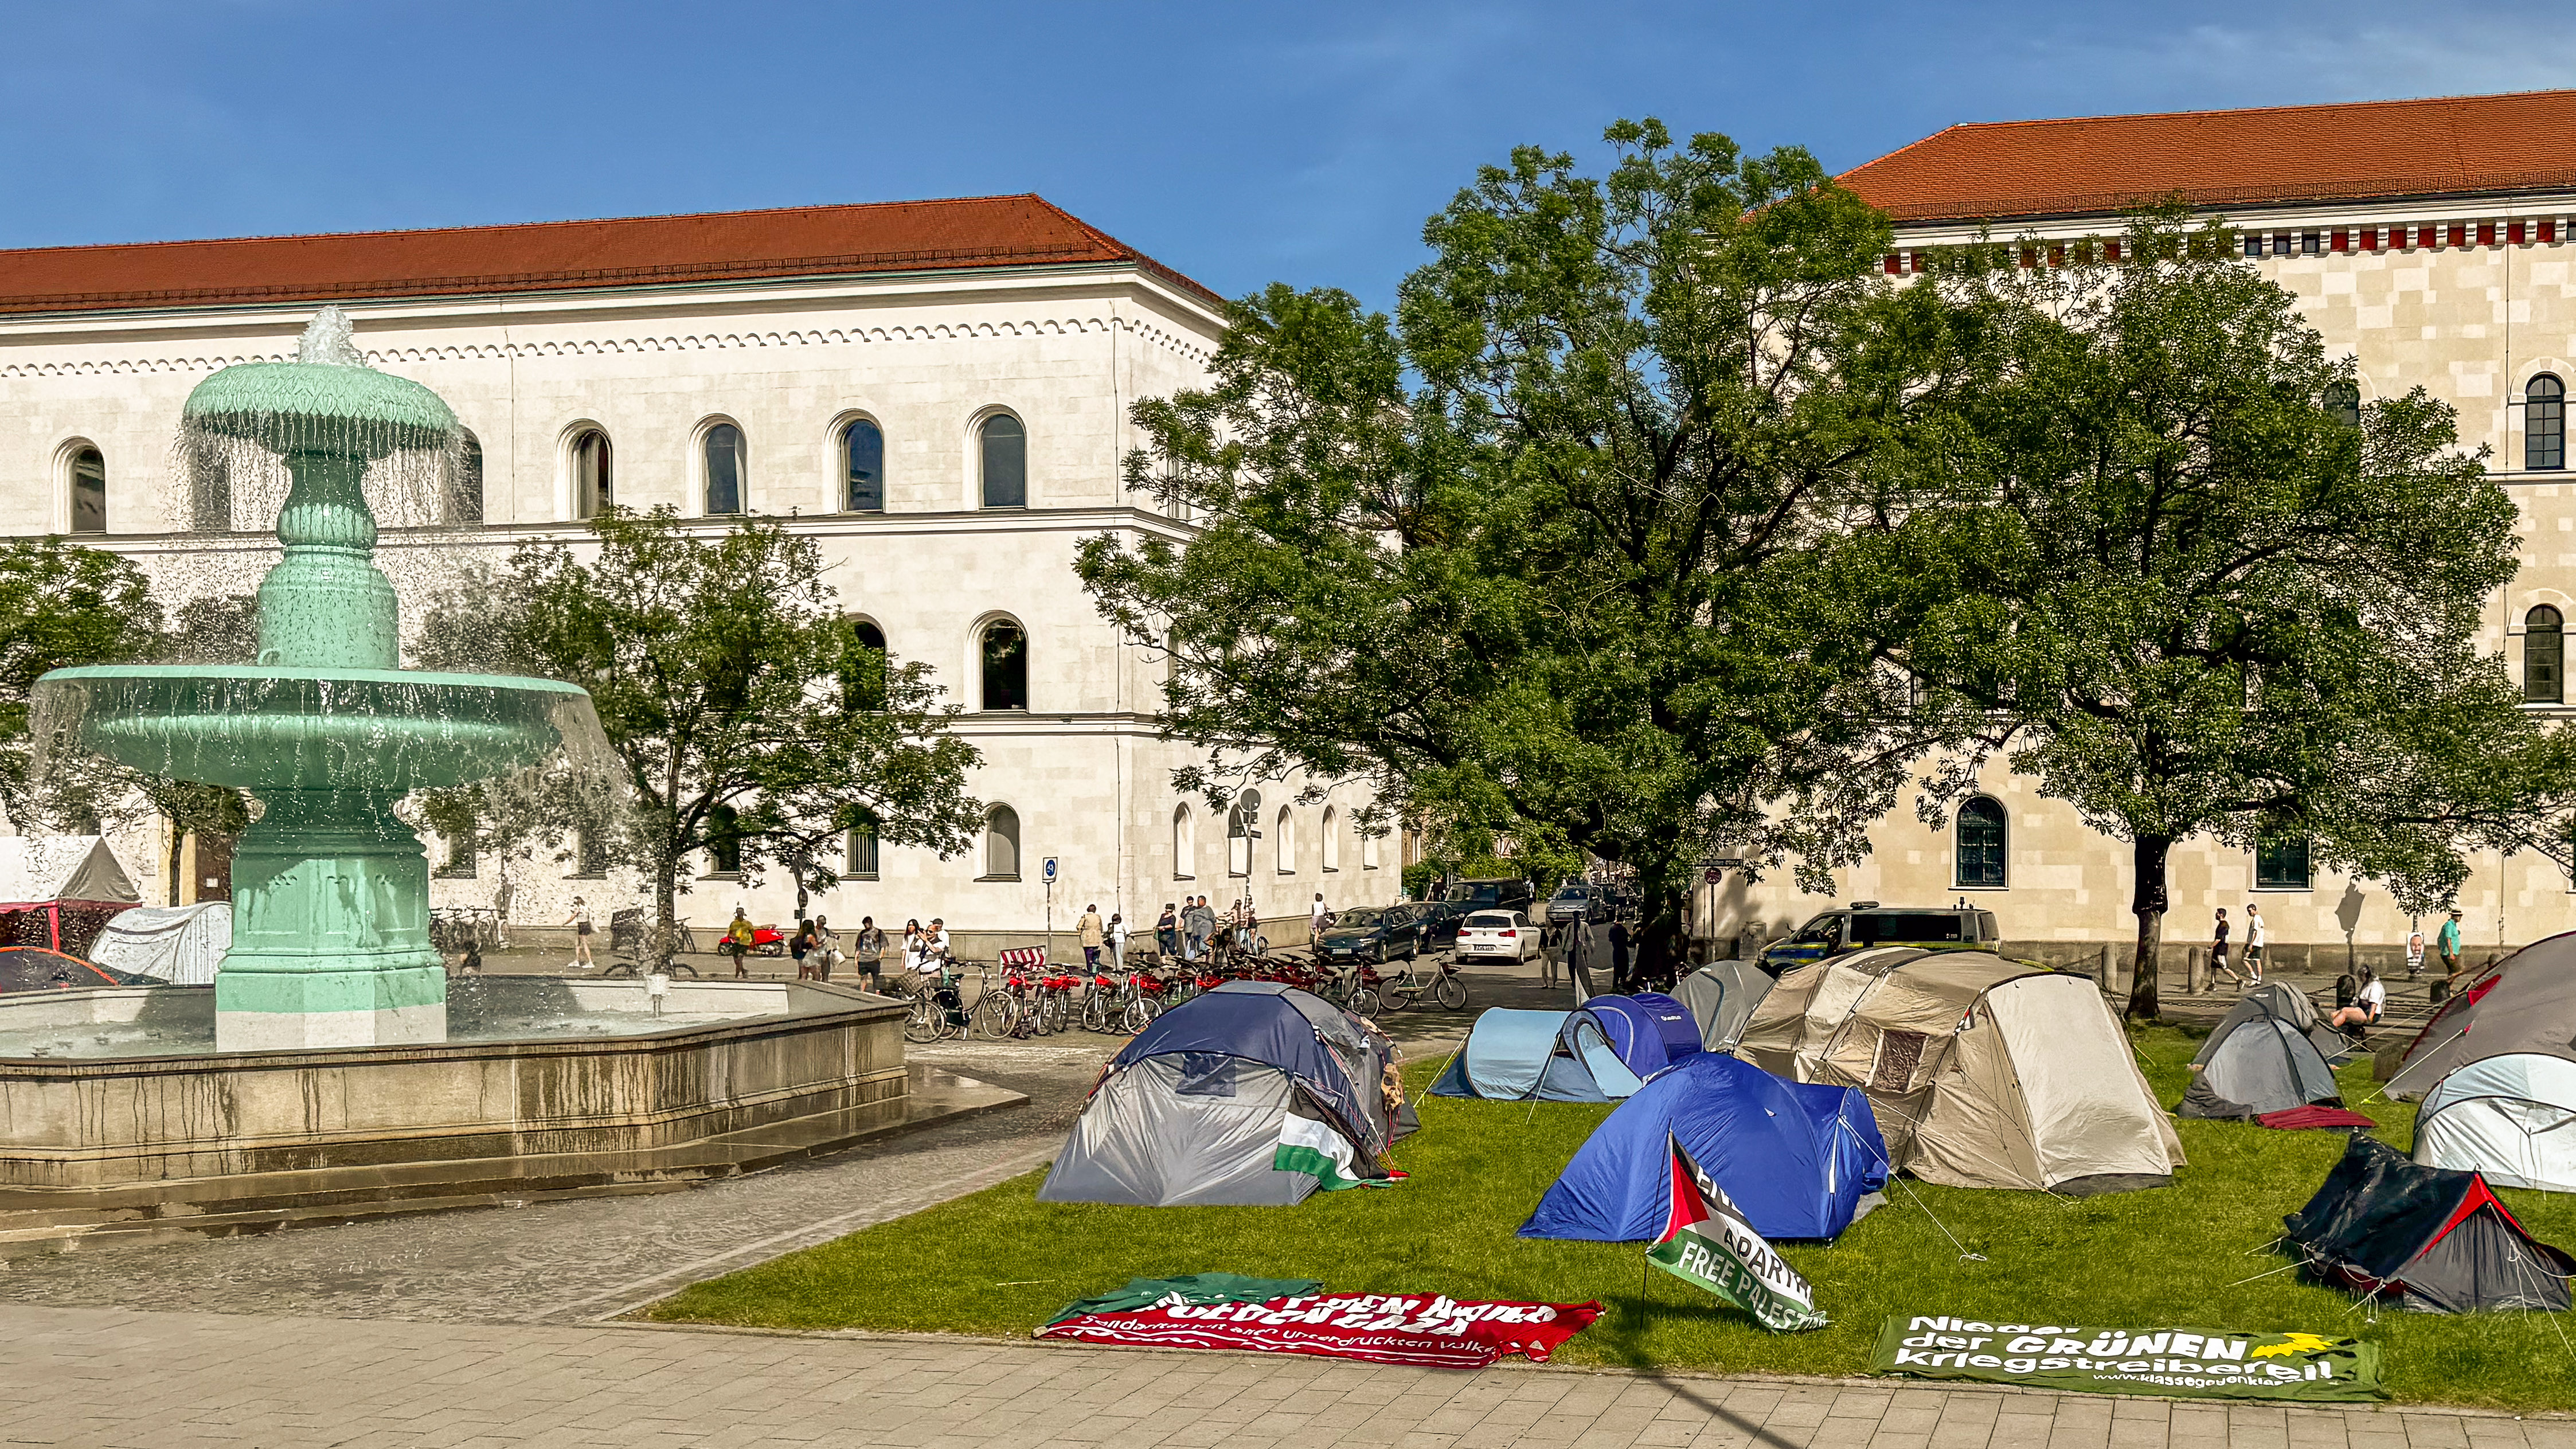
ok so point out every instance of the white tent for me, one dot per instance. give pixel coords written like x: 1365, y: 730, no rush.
x: 178, y: 944
x: 35, y: 869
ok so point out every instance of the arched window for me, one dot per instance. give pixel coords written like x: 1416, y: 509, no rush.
x: 1981, y: 844
x: 2544, y: 423
x: 1185, y: 844
x: 1005, y: 449
x: 1368, y: 852
x: 1001, y: 843
x: 89, y: 491
x: 1332, y: 838
x: 2544, y: 656
x: 1285, y: 851
x: 1242, y: 827
x: 863, y: 682
x: 724, y: 847
x: 1005, y: 651
x: 592, y: 489
x: 724, y: 469
x: 863, y: 468
x: 2343, y: 403
x: 465, y: 495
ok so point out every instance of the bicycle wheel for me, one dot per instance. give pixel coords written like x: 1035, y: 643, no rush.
x: 925, y: 1022
x: 1450, y: 992
x: 996, y: 1015
x: 621, y: 969
x: 1364, y: 1001
x: 1140, y: 1014
x: 1095, y: 1011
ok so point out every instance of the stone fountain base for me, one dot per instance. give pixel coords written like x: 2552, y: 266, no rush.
x: 135, y: 1147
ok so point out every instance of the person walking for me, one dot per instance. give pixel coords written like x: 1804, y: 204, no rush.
x: 1317, y: 919
x: 1167, y: 935
x: 2446, y: 944
x: 1619, y: 957
x: 1088, y: 931
x: 737, y: 943
x: 2415, y: 951
x: 2254, y: 942
x: 579, y: 920
x: 1114, y: 936
x: 2218, y: 951
x: 800, y: 946
x: 916, y: 955
x: 827, y: 948
x: 868, y: 950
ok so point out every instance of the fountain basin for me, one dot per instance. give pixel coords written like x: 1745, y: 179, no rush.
x: 174, y: 1136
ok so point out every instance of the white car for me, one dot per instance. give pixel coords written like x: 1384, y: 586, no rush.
x: 1491, y: 935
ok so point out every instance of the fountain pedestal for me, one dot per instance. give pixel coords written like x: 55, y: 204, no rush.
x: 330, y: 931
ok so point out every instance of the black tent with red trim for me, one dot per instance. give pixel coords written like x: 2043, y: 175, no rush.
x: 2438, y: 1241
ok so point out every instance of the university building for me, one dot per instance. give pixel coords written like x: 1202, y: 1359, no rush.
x: 937, y: 393
x: 2430, y: 240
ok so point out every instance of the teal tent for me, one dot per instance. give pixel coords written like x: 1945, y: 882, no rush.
x: 1552, y: 1056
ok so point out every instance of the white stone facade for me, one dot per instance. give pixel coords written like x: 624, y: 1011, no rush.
x: 926, y: 356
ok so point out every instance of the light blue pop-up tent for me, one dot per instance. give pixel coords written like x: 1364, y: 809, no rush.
x: 1553, y: 1056
x: 1801, y: 1160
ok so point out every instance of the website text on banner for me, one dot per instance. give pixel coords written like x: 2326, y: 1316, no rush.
x: 1429, y: 1331
x: 1707, y: 1241
x: 2198, y: 1363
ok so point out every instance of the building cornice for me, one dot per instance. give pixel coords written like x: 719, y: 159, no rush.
x: 904, y: 524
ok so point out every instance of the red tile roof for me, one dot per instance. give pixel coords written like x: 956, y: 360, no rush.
x: 804, y: 241
x: 2375, y: 149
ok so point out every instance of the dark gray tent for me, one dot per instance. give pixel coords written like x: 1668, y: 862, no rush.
x: 1253, y: 1095
x: 1721, y: 998
x: 2261, y: 1059
x: 2437, y: 1241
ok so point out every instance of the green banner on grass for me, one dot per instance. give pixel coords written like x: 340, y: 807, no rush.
x: 2191, y: 1363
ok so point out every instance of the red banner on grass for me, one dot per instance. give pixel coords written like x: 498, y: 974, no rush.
x: 1433, y: 1332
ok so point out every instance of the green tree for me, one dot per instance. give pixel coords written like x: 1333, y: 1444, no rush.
x: 60, y: 606
x: 744, y: 712
x: 2207, y: 594
x: 1538, y: 558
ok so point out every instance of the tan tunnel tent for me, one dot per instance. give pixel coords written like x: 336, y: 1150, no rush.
x: 1983, y: 1072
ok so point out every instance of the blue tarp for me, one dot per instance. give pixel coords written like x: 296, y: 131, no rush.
x: 1556, y: 1056
x: 1649, y: 1030
x: 1797, y: 1158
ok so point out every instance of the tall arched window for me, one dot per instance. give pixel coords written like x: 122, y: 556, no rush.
x: 89, y: 491
x: 465, y: 495
x: 1242, y: 825
x: 863, y: 684
x: 2343, y: 403
x: 1981, y: 843
x: 723, y: 450
x: 1005, y: 651
x: 1185, y: 844
x: 863, y: 468
x: 1285, y: 849
x: 2544, y: 423
x: 1001, y: 843
x: 1005, y: 449
x: 592, y: 487
x: 724, y: 846
x: 2544, y: 656
x: 1368, y: 852
x: 1332, y: 838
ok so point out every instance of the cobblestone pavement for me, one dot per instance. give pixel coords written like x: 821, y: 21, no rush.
x: 590, y: 1257
x: 123, y: 1379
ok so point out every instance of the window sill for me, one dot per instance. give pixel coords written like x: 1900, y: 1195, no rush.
x: 722, y: 875
x: 1957, y: 886
x: 983, y: 878
x: 2284, y: 890
x: 1192, y: 877
x: 851, y: 875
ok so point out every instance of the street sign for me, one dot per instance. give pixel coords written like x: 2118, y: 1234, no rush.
x: 1050, y: 867
x: 1714, y: 875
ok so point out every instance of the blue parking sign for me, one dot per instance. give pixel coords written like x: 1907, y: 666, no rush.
x: 1050, y: 867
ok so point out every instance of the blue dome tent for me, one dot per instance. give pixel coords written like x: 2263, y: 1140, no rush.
x: 1553, y: 1056
x: 1802, y: 1161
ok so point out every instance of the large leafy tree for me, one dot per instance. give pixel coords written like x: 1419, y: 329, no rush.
x: 1540, y: 556
x: 2207, y: 593
x: 746, y: 716
x: 61, y: 606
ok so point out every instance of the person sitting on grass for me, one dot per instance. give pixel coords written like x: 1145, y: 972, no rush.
x: 2367, y: 1004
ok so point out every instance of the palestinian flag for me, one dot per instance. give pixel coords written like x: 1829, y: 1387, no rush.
x: 1317, y: 1150
x: 1707, y: 1241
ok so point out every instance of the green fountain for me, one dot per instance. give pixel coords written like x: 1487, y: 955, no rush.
x: 331, y: 940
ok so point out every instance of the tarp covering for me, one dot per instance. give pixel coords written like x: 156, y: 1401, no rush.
x: 2260, y: 1059
x: 35, y: 869
x: 1553, y: 1056
x: 1798, y: 1160
x: 2438, y: 1240
x: 1982, y: 1072
x: 1254, y: 1094
x: 178, y: 944
x: 33, y: 968
x: 1721, y: 998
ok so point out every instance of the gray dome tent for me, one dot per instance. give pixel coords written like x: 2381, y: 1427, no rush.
x: 2264, y: 1057
x: 1721, y: 997
x: 2497, y: 1067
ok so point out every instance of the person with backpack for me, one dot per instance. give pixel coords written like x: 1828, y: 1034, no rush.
x: 1088, y: 930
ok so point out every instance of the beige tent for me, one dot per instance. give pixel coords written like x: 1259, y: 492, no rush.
x: 1983, y: 1073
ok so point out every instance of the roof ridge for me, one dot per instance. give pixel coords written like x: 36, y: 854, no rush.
x: 2241, y: 111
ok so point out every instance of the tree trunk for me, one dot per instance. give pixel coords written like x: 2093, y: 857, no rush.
x: 178, y: 845
x: 666, y: 890
x: 2149, y: 903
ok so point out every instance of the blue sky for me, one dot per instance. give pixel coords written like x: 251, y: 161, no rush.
x: 1241, y: 143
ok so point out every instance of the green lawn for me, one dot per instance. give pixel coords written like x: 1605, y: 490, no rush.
x: 1001, y: 1263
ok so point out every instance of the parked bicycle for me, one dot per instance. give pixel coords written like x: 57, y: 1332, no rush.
x: 1411, y: 985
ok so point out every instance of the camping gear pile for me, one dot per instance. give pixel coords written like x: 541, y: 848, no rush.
x: 57, y: 891
x: 2269, y: 1054
x: 1982, y: 1072
x: 2436, y: 1240
x: 2496, y: 1067
x: 181, y: 945
x: 1255, y: 1094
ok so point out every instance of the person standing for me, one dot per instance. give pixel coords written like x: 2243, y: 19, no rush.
x: 1619, y: 957
x: 1167, y: 935
x: 579, y: 920
x: 2254, y: 942
x: 2446, y: 944
x: 935, y: 946
x: 826, y: 949
x: 1200, y: 922
x: 800, y: 946
x: 737, y: 943
x: 1317, y: 918
x: 2218, y: 951
x: 2415, y: 952
x: 1114, y: 936
x: 1089, y: 931
x: 868, y: 949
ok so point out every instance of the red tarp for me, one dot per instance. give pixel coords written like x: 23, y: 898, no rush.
x: 2314, y: 1115
x: 1432, y: 1332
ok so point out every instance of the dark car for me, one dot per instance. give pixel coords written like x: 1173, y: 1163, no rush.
x: 1491, y: 895
x: 1865, y: 924
x: 1375, y: 934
